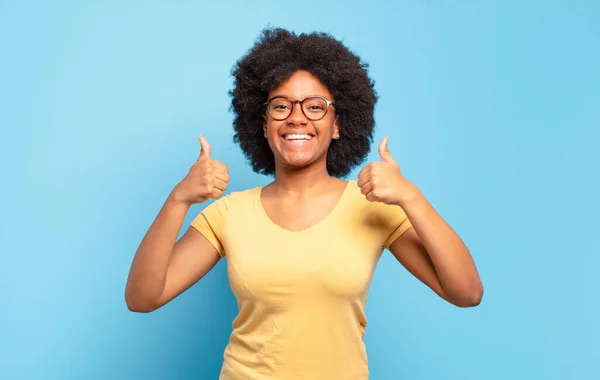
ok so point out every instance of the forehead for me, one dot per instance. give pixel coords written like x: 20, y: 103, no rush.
x: 300, y: 85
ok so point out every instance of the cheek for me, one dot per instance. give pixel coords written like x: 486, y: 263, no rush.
x: 271, y: 133
x: 271, y: 129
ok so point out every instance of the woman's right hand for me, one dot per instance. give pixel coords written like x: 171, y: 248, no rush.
x: 206, y: 179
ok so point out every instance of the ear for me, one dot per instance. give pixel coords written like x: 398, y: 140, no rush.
x: 336, y: 127
x: 264, y: 126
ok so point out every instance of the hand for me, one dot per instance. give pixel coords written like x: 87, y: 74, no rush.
x: 206, y: 179
x: 383, y: 181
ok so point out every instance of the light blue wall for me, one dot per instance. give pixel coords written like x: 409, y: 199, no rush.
x: 492, y: 109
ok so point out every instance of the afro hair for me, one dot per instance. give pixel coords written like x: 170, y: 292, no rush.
x: 275, y: 56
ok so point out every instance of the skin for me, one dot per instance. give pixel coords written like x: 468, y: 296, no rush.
x: 430, y: 250
x: 164, y: 267
x: 301, y: 195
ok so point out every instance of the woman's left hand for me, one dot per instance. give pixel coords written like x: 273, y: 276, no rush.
x: 383, y: 181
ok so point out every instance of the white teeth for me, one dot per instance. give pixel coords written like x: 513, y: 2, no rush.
x: 298, y: 136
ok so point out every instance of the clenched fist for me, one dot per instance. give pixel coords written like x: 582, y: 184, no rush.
x: 206, y: 179
x: 383, y: 181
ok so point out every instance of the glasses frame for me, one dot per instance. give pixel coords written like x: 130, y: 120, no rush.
x: 301, y: 102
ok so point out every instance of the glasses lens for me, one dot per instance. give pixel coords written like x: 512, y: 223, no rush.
x: 314, y: 108
x: 280, y: 108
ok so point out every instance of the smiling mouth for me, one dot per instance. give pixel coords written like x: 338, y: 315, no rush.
x: 297, y: 137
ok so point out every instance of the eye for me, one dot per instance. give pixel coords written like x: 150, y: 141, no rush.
x: 280, y: 105
x: 315, y: 105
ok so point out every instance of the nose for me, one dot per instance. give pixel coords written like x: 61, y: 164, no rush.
x: 297, y: 117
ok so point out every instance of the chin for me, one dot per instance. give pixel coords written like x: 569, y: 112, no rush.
x: 297, y: 158
x: 298, y: 162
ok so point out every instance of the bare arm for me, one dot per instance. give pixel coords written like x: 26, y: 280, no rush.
x: 162, y: 267
x: 436, y: 255
x: 410, y: 252
x: 431, y: 250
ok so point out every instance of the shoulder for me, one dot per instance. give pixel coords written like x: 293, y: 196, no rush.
x: 219, y: 210
x: 355, y: 194
x: 387, y: 222
x: 241, y: 195
x: 235, y: 199
x: 374, y: 211
x: 357, y: 200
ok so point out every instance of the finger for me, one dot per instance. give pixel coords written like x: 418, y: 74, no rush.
x: 366, y: 188
x: 364, y: 172
x: 216, y: 193
x: 384, y: 153
x: 219, y: 184
x: 221, y: 175
x: 371, y: 197
x: 363, y: 180
x: 204, y: 148
x: 219, y: 166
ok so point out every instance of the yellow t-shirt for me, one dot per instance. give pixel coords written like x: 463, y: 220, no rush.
x: 301, y: 295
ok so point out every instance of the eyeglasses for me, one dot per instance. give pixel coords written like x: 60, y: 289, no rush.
x: 313, y: 107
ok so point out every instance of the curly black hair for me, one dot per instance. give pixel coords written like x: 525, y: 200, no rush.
x: 275, y: 56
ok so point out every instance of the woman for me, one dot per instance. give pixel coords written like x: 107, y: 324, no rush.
x: 300, y: 251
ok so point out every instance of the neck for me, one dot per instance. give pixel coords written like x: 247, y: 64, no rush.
x: 305, y: 181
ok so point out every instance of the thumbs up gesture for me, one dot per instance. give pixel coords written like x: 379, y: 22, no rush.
x: 206, y: 179
x: 383, y: 182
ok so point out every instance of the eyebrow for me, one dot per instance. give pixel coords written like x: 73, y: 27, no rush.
x: 307, y: 96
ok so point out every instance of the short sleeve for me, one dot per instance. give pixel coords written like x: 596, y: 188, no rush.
x: 396, y: 222
x: 210, y: 222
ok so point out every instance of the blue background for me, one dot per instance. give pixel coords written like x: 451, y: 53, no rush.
x: 491, y: 108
